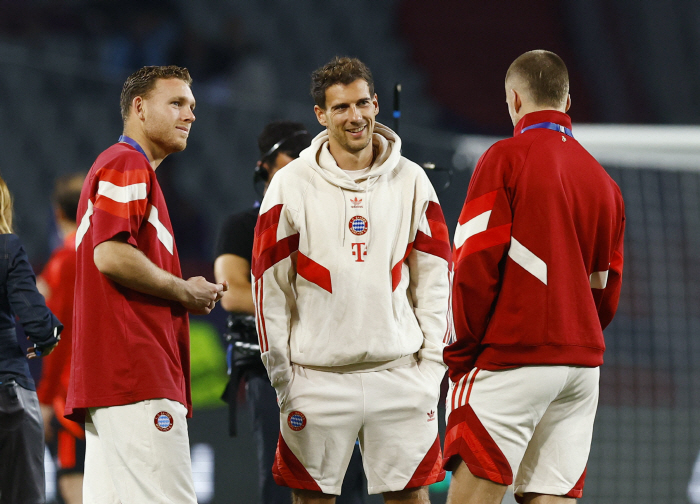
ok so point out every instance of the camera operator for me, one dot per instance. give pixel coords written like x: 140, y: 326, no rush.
x: 280, y: 142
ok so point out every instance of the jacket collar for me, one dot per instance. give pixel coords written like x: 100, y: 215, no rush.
x: 542, y: 116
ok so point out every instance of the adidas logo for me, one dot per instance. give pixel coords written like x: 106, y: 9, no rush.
x: 431, y: 416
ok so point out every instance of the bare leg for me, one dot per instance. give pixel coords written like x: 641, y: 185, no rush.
x: 71, y: 487
x: 535, y: 498
x: 465, y: 488
x: 311, y: 497
x: 410, y: 496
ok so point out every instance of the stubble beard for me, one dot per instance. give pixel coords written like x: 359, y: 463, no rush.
x: 350, y: 146
x: 168, y: 143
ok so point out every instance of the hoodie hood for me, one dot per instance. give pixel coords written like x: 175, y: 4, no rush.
x: 319, y: 157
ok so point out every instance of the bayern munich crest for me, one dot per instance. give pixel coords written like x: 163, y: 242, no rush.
x: 296, y: 420
x: 358, y: 225
x: 163, y: 421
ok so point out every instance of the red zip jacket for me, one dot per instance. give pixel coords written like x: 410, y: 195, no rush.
x: 538, y: 254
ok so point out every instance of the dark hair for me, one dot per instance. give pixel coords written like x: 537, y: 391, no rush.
x: 545, y: 75
x: 66, y: 194
x: 293, y: 137
x: 338, y: 71
x: 143, y: 81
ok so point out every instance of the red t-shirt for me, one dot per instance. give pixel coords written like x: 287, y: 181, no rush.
x: 127, y: 346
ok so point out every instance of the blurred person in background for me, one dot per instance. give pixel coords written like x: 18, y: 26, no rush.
x: 351, y: 267
x: 22, y: 477
x: 280, y: 142
x: 538, y: 271
x: 65, y: 439
x: 130, y: 371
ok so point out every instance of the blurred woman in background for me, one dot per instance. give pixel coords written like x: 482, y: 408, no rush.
x: 21, y: 426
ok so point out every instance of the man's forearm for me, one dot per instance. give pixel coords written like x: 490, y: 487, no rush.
x: 236, y: 271
x: 128, y: 266
x: 239, y: 299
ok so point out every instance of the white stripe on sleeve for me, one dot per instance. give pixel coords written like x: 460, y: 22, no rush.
x: 529, y: 261
x: 163, y: 234
x: 473, y: 226
x: 84, y: 225
x: 122, y: 194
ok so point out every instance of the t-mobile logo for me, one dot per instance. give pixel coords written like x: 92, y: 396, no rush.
x: 358, y: 252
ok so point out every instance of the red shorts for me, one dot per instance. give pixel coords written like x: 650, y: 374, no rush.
x: 534, y: 422
x: 68, y: 445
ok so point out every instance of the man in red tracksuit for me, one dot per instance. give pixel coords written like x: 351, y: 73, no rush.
x: 538, y: 268
x: 65, y: 439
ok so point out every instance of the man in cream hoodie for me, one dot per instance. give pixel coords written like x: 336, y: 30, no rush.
x: 351, y: 281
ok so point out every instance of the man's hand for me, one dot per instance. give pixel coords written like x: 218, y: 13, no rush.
x: 201, y: 296
x: 42, y: 351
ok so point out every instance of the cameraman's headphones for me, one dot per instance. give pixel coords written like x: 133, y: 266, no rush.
x: 261, y: 174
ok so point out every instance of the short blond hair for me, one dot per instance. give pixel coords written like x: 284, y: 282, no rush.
x: 5, y: 208
x: 545, y: 75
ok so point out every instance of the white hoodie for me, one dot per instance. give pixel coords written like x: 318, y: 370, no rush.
x: 351, y: 276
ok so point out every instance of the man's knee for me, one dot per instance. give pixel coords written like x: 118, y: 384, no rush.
x: 311, y: 497
x: 470, y: 489
x: 535, y: 498
x: 408, y: 496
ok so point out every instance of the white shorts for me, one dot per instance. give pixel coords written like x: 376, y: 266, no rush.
x: 534, y: 421
x: 392, y: 412
x: 138, y: 453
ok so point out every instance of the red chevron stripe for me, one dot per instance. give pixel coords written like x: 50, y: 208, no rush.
x: 436, y: 220
x: 272, y: 255
x: 430, y: 469
x: 577, y: 491
x: 486, y: 239
x: 477, y: 206
x: 138, y: 175
x: 289, y: 472
x: 396, y: 270
x: 468, y: 440
x: 266, y: 230
x: 433, y: 246
x: 134, y: 208
x: 314, y: 272
x: 439, y: 235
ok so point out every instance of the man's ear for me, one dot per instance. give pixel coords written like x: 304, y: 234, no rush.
x: 137, y: 105
x: 320, y: 115
x: 517, y: 101
x: 568, y: 103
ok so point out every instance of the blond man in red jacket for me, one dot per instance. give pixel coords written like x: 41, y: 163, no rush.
x: 538, y: 267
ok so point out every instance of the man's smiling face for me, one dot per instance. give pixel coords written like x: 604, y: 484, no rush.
x: 349, y: 115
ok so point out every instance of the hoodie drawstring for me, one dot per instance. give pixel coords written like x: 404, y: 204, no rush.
x: 344, y: 213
